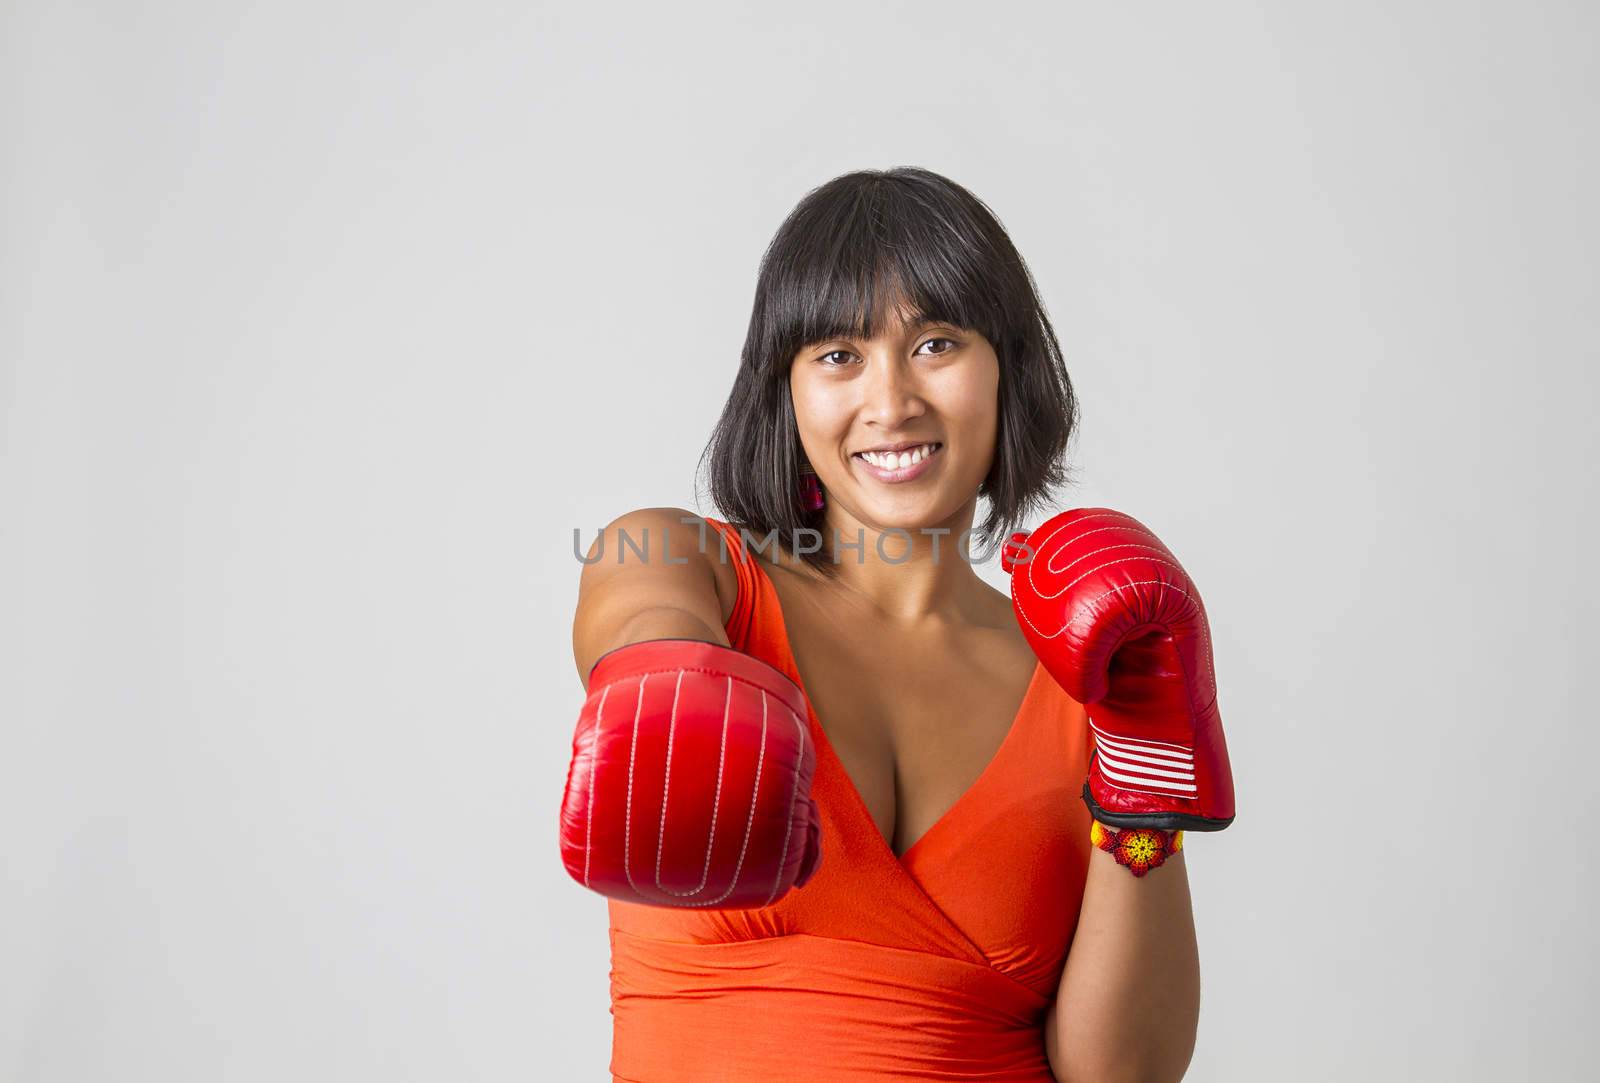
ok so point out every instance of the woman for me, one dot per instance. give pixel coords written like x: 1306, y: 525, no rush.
x: 832, y: 782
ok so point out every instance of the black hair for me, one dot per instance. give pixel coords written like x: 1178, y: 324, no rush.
x: 849, y: 250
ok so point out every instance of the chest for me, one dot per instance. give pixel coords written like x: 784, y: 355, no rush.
x: 914, y: 722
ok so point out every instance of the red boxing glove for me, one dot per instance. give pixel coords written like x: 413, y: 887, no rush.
x: 1119, y: 625
x: 690, y: 782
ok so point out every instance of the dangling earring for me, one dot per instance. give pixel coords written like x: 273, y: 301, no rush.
x: 810, y: 489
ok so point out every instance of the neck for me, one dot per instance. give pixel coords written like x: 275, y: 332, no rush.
x: 913, y: 576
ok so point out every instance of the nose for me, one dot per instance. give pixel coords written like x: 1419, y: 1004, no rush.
x: 890, y: 395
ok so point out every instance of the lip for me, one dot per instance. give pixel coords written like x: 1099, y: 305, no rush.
x: 901, y: 473
x: 903, y: 445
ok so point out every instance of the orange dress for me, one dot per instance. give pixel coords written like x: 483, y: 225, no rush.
x: 938, y: 964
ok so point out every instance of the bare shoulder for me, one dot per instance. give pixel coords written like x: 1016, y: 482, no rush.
x: 665, y: 537
x: 658, y: 558
x: 650, y: 536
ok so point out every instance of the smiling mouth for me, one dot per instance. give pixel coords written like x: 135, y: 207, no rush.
x: 898, y: 465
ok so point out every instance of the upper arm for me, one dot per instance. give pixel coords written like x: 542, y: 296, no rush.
x: 631, y: 578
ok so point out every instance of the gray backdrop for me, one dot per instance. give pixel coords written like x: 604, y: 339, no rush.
x: 324, y: 324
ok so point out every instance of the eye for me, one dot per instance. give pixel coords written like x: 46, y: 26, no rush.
x: 951, y: 345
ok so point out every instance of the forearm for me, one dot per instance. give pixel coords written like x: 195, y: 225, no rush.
x: 1128, y: 1005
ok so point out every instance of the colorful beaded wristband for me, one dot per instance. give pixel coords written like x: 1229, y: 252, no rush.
x: 1138, y: 849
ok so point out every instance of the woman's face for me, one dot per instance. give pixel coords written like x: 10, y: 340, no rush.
x: 915, y: 385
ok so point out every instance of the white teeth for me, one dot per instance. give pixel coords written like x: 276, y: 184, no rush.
x: 898, y: 460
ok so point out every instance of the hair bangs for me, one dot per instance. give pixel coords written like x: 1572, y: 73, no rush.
x: 859, y: 268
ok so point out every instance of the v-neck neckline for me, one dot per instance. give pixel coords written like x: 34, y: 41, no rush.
x: 825, y: 744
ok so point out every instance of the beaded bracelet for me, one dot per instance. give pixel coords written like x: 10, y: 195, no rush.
x: 1138, y: 849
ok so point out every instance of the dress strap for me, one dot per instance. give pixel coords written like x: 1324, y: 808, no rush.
x: 730, y: 547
